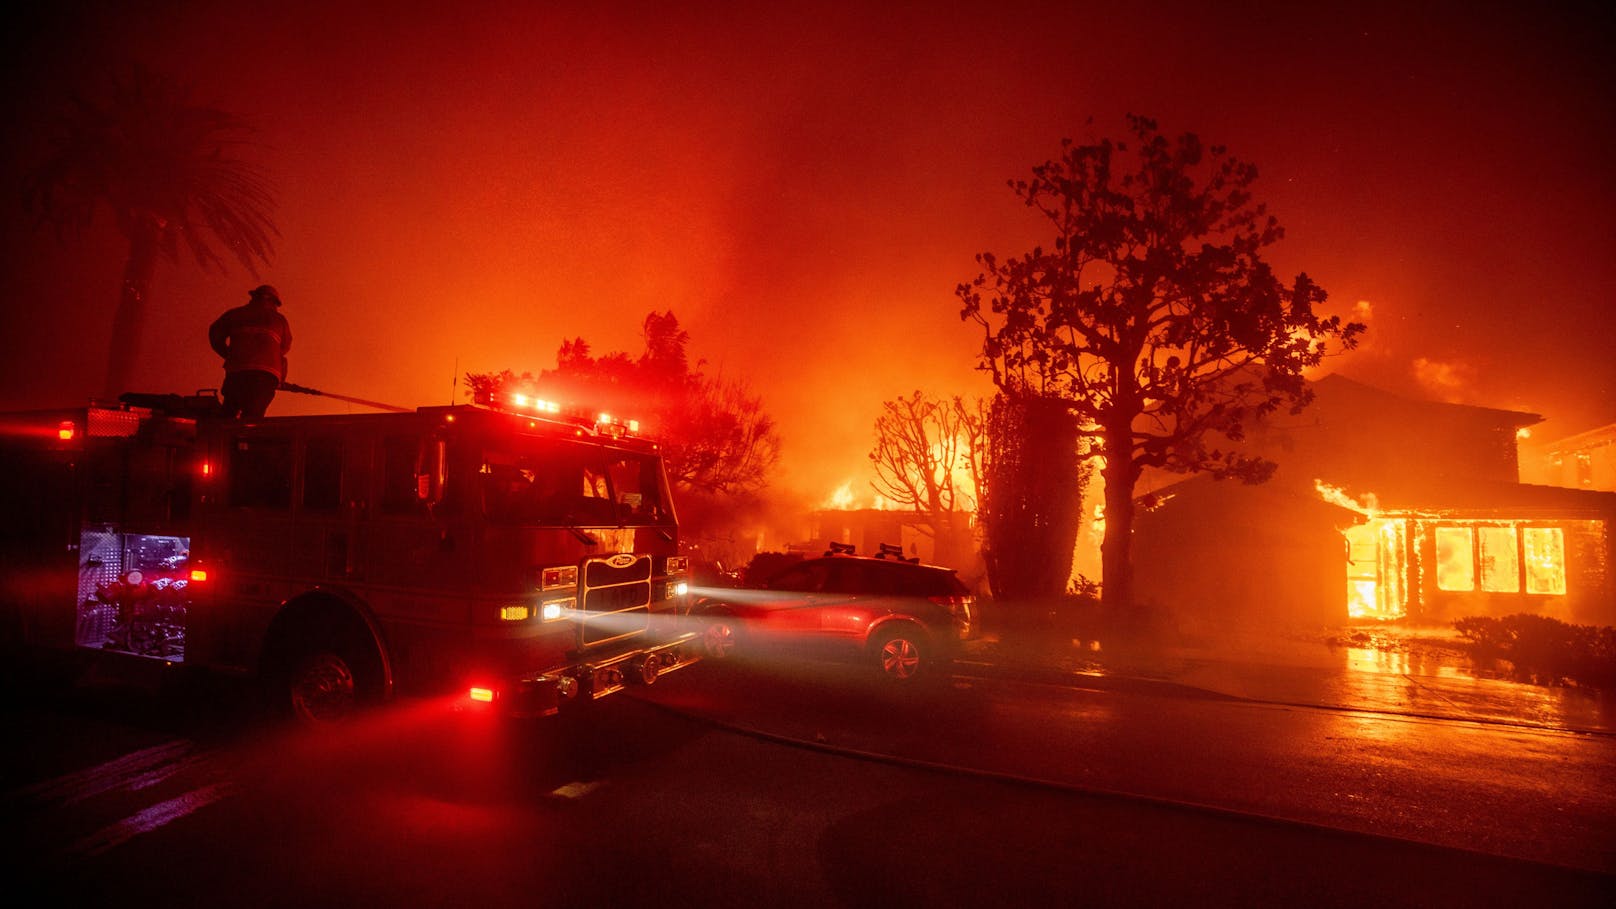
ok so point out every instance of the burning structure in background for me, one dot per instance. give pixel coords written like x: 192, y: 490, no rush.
x: 1586, y: 460
x: 1383, y: 507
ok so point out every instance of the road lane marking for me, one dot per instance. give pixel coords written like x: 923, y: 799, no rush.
x: 159, y: 815
x: 133, y: 771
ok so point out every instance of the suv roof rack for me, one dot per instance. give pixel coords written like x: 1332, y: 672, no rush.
x: 892, y: 551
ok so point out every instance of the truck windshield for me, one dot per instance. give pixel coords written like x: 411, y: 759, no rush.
x: 553, y: 482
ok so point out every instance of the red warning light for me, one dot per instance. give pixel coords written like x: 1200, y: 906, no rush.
x: 486, y: 695
x: 199, y: 575
x: 66, y: 431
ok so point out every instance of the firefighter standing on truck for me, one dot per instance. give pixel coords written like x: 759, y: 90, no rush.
x: 253, y: 339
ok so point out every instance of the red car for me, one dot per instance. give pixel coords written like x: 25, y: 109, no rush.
x: 902, y: 618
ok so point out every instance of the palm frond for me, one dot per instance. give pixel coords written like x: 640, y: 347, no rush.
x: 157, y: 160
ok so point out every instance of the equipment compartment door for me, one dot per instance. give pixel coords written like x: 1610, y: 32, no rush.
x: 133, y: 593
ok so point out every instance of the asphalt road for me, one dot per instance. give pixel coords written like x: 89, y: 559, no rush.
x: 978, y: 793
x: 1531, y: 793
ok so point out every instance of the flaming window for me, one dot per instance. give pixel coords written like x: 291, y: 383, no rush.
x: 1497, y: 556
x: 1455, y: 561
x: 1500, y: 559
x: 1375, y: 569
x: 1545, y: 560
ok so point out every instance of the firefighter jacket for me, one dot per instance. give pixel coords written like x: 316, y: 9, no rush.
x: 252, y: 337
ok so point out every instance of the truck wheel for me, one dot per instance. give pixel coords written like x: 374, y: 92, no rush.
x: 321, y: 688
x: 329, y: 678
x: 901, y: 655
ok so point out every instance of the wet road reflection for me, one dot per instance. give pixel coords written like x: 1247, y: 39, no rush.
x: 1523, y: 792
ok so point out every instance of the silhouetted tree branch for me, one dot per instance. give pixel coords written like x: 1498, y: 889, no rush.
x: 168, y: 170
x: 1154, y: 316
x: 715, y: 436
x: 925, y: 459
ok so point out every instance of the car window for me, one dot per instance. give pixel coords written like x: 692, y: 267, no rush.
x: 847, y: 577
x: 930, y: 582
x: 809, y: 576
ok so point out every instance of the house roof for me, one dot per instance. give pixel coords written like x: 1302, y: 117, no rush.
x: 1337, y: 386
x: 1597, y: 437
x: 1477, y: 500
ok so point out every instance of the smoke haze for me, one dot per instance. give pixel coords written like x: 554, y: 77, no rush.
x: 804, y: 184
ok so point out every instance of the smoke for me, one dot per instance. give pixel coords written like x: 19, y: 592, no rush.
x: 1445, y: 380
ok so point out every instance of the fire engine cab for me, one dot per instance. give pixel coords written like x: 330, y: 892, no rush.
x: 523, y: 556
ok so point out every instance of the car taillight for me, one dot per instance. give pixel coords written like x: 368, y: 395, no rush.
x: 959, y: 608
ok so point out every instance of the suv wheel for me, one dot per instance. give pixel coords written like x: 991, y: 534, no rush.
x: 901, y: 655
x: 719, y: 636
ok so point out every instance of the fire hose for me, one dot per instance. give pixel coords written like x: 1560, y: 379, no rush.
x: 305, y: 390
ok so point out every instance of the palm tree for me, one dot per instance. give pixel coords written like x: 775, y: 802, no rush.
x: 169, y: 170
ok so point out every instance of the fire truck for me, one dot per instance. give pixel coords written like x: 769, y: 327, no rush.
x: 520, y: 554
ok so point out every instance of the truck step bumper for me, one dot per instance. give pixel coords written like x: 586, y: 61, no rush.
x: 548, y: 692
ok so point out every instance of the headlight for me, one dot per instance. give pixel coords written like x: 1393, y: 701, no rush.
x: 556, y: 609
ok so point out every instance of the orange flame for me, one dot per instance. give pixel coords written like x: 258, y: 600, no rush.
x: 1335, y: 495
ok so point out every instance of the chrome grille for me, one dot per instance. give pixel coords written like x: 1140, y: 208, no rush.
x: 616, y: 597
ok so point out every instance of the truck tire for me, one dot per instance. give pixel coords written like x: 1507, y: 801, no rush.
x: 327, y: 677
x: 321, y: 688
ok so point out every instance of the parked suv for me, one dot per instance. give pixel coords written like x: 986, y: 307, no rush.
x: 896, y: 615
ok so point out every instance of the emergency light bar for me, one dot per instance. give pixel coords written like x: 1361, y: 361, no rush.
x: 537, y: 405
x: 517, y: 402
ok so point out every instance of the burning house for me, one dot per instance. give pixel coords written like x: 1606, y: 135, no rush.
x: 1382, y: 507
x: 1586, y: 460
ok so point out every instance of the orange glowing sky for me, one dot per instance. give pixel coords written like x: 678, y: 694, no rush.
x: 805, y: 184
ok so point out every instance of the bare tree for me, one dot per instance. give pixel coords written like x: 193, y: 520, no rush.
x: 926, y: 459
x: 1154, y: 318
x: 169, y: 170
